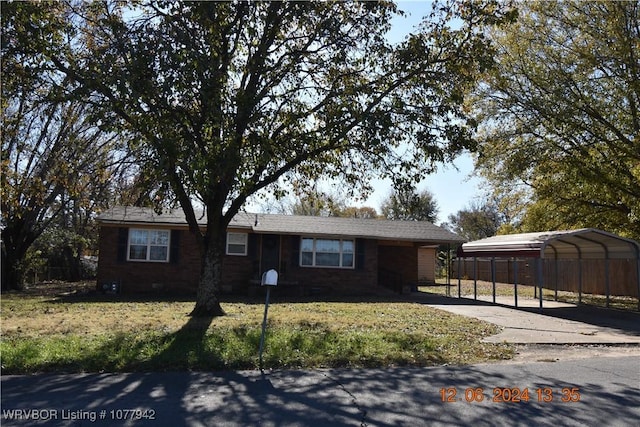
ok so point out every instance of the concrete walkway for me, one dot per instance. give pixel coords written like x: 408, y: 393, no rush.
x: 558, y: 323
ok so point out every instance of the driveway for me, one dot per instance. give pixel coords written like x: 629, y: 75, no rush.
x: 557, y: 323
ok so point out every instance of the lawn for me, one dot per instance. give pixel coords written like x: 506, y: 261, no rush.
x: 62, y: 328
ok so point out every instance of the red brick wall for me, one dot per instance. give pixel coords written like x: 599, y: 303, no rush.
x: 180, y: 277
x: 400, y: 259
x: 345, y: 281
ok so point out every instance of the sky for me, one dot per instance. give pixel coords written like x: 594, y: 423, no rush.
x: 453, y: 187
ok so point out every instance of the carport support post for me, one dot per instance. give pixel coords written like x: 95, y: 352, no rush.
x: 493, y: 277
x: 638, y: 276
x: 580, y: 280
x: 449, y: 261
x: 540, y: 278
x: 638, y: 271
x: 449, y: 265
x: 459, y: 283
x: 475, y: 278
x: 515, y: 280
x: 556, y: 276
x: 607, y: 280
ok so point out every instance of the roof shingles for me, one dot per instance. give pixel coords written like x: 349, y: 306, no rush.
x: 413, y: 231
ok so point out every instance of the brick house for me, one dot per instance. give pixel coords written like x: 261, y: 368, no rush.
x: 146, y: 252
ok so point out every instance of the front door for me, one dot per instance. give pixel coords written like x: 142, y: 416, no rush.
x: 270, y: 258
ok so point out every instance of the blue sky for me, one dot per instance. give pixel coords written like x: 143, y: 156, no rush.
x: 453, y: 189
x: 452, y: 184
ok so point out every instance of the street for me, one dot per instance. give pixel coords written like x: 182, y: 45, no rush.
x: 590, y: 391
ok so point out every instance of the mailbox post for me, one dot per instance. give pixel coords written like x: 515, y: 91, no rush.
x: 269, y: 279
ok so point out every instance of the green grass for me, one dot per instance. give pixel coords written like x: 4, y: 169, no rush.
x: 44, y: 333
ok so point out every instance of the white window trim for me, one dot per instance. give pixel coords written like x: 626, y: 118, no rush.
x: 315, y: 239
x: 246, y: 243
x: 149, y: 230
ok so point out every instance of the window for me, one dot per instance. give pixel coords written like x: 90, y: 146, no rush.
x: 148, y: 245
x: 326, y: 253
x: 237, y: 243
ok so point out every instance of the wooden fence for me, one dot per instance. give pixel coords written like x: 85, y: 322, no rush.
x: 561, y: 274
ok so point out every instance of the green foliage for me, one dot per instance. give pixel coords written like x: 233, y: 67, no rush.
x: 314, y: 202
x: 560, y: 115
x: 407, y: 204
x: 476, y: 222
x: 57, y: 155
x: 228, y: 99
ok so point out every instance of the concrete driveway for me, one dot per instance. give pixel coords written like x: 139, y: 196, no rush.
x: 557, y: 323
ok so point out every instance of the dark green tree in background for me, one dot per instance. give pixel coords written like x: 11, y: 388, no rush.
x: 476, y: 222
x: 408, y: 204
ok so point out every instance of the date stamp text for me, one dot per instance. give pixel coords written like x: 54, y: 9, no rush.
x: 510, y: 394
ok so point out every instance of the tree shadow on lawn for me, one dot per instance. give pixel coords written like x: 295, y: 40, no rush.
x: 191, y: 348
x: 282, y: 295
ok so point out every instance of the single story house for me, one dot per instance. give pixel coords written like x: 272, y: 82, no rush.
x: 142, y: 251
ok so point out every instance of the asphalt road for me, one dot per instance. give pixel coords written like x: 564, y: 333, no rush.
x: 582, y: 392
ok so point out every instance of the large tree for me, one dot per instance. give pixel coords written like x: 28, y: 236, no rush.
x: 230, y: 98
x: 56, y: 162
x: 560, y: 115
x: 477, y: 221
x: 407, y: 204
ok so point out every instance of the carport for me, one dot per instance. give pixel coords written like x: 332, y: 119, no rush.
x: 583, y: 244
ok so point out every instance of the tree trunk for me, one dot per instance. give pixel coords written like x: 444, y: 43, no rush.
x: 12, y: 273
x: 12, y: 263
x: 207, y: 302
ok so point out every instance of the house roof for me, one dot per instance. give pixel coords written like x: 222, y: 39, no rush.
x: 413, y: 231
x: 576, y: 244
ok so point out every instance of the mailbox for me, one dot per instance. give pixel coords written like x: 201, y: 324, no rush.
x: 270, y: 278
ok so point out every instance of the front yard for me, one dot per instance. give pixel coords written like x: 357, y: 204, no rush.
x: 68, y: 328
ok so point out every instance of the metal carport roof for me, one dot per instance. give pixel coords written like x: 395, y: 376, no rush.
x: 585, y: 243
x: 573, y: 244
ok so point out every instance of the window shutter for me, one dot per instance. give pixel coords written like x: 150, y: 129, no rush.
x: 123, y: 239
x: 252, y: 250
x: 295, y: 251
x: 360, y: 244
x: 174, y: 250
